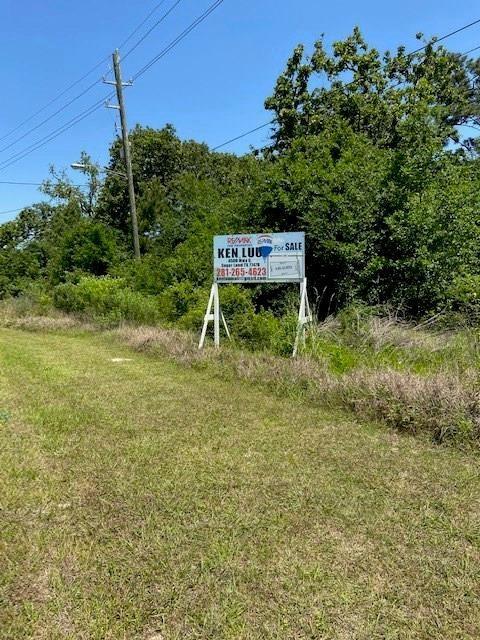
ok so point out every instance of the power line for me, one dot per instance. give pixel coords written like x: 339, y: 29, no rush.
x: 179, y: 38
x: 27, y: 184
x: 167, y: 49
x: 138, y: 27
x: 470, y: 126
x: 262, y: 126
x: 266, y: 124
x: 212, y: 7
x: 465, y: 53
x: 60, y: 95
x: 154, y: 26
x: 34, y: 184
x: 57, y: 132
x: 77, y: 82
x: 54, y: 134
x: 242, y: 135
x: 447, y: 35
x: 55, y: 113
x: 93, y: 84
x: 4, y: 213
x: 408, y: 55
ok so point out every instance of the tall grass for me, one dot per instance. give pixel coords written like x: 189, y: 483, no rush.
x: 444, y: 405
x: 414, y: 378
x: 359, y: 337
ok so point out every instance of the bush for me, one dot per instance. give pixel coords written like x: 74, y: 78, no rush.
x: 255, y: 329
x: 89, y: 247
x: 18, y: 269
x: 141, y: 275
x: 187, y: 303
x: 464, y: 297
x: 107, y: 300
x: 180, y: 300
x: 110, y: 301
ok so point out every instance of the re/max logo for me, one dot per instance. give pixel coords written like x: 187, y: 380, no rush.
x: 232, y: 240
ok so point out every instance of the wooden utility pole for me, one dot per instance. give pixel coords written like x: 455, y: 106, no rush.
x: 126, y: 150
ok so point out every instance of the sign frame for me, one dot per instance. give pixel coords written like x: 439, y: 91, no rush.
x: 259, y: 258
x: 248, y: 259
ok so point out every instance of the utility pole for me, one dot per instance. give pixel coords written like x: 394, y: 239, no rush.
x: 126, y: 147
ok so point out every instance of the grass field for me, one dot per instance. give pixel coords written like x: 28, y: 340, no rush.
x: 140, y: 499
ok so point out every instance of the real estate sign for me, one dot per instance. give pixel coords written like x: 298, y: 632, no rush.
x: 259, y: 257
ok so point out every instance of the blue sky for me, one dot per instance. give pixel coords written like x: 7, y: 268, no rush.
x: 211, y: 87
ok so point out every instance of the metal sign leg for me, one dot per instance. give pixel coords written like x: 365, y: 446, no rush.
x: 208, y: 316
x: 225, y: 325
x: 215, y: 316
x: 304, y: 316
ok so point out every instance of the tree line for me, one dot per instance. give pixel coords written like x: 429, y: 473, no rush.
x: 374, y: 155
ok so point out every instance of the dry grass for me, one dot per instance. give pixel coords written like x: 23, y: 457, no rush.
x: 22, y: 314
x: 444, y: 405
x: 42, y: 323
x: 179, y: 345
x: 383, y: 332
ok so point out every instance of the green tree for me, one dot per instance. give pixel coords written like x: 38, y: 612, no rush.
x: 160, y: 159
x: 88, y: 247
x: 397, y: 100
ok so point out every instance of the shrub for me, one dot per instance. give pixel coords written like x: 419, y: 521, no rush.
x: 89, y: 246
x: 189, y: 304
x: 18, y: 269
x: 141, y: 275
x: 35, y: 300
x: 180, y: 299
x: 107, y: 300
x: 464, y: 297
x: 255, y: 329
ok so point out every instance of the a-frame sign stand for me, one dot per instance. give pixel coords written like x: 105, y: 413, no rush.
x: 304, y: 317
x: 213, y: 301
x: 214, y: 314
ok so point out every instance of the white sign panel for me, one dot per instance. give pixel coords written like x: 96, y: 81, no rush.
x: 259, y: 257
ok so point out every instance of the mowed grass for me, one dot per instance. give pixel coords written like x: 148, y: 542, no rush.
x: 145, y: 500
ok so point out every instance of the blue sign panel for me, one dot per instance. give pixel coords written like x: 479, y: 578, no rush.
x: 259, y: 257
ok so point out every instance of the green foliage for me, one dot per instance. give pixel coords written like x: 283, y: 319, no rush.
x: 60, y: 188
x: 400, y: 101
x: 142, y: 275
x: 170, y: 177
x: 184, y: 303
x: 107, y: 300
x: 433, y: 239
x: 17, y: 270
x: 88, y: 247
x: 464, y: 300
x: 332, y: 187
x: 368, y: 158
